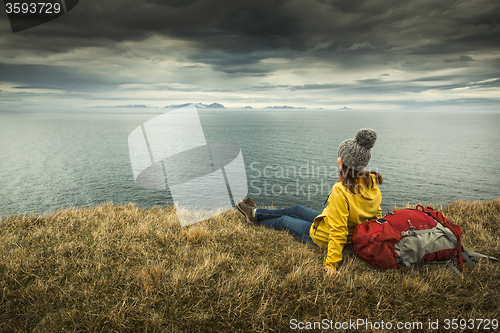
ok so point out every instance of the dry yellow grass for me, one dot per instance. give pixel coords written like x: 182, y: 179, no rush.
x: 127, y: 269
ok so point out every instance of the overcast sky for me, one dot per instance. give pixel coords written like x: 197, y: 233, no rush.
x: 363, y: 54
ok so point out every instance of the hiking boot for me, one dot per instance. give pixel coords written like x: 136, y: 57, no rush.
x: 249, y: 201
x: 248, y: 211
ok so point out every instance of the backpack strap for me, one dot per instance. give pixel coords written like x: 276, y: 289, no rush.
x: 460, y: 256
x: 469, y: 256
x: 417, y: 232
x: 474, y: 256
x: 406, y: 264
x: 454, y: 268
x: 469, y: 260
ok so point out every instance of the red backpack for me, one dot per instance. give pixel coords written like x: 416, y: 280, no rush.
x: 409, y: 236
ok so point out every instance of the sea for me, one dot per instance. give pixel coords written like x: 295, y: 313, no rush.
x: 58, y: 159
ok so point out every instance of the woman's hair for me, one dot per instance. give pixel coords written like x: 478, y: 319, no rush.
x: 350, y: 178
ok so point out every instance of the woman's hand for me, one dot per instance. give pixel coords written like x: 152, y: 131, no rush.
x: 331, y: 271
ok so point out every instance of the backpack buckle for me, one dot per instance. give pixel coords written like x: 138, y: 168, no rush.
x: 411, y: 225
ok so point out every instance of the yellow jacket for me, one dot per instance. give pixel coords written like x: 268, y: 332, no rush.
x: 334, y: 226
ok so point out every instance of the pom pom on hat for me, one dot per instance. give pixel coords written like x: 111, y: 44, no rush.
x: 366, y: 138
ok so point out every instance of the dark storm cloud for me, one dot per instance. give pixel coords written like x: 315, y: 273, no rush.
x: 269, y: 87
x: 461, y: 58
x: 376, y: 86
x: 52, y: 77
x: 316, y: 87
x: 239, y: 39
x: 215, y: 24
x: 434, y: 78
x: 234, y: 62
x: 173, y: 3
x: 236, y: 26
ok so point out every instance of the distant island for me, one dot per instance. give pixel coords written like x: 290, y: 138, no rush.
x: 283, y: 107
x: 198, y: 105
x: 345, y: 108
x: 203, y: 106
x: 132, y: 106
x: 137, y: 106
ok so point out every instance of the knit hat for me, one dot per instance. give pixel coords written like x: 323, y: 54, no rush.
x: 355, y: 153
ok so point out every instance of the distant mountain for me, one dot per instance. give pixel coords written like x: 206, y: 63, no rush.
x: 198, y: 105
x: 132, y: 106
x: 283, y: 107
x: 247, y: 107
x: 345, y: 108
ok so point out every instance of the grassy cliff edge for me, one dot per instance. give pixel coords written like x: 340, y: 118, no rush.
x: 128, y: 269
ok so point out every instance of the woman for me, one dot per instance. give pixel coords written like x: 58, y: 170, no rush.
x: 354, y: 199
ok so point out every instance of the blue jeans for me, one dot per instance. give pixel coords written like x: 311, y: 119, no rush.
x: 295, y: 220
